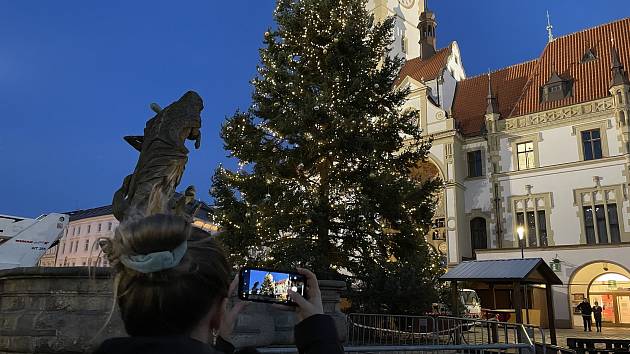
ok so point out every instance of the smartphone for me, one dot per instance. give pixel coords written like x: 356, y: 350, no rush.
x: 269, y: 285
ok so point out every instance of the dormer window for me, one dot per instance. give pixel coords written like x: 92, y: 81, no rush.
x: 556, y: 88
x: 590, y: 55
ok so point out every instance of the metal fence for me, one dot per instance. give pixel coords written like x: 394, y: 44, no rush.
x: 379, y: 333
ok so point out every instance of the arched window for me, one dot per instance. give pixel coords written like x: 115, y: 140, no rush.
x: 478, y: 233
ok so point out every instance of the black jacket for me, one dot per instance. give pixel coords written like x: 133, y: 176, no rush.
x: 315, y: 335
x: 585, y: 308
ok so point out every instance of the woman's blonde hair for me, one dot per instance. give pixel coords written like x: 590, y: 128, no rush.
x: 170, y: 301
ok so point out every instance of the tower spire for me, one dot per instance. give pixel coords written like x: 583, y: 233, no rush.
x: 493, y: 106
x: 619, y: 75
x: 427, y: 27
x: 549, y: 29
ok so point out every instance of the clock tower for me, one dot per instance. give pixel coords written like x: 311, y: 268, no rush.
x: 406, y: 33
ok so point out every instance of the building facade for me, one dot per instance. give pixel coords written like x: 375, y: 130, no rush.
x: 542, y: 145
x: 79, y: 246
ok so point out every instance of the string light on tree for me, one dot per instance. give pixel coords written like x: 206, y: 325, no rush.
x: 325, y: 150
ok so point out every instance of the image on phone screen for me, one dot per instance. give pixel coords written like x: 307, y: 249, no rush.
x: 264, y: 285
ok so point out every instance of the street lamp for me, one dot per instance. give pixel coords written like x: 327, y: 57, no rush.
x: 520, y: 231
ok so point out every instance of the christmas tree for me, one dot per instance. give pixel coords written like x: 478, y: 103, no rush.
x: 268, y: 286
x: 325, y: 154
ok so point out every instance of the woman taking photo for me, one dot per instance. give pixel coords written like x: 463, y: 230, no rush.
x: 172, y: 286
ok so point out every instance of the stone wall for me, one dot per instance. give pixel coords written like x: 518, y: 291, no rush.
x: 61, y: 310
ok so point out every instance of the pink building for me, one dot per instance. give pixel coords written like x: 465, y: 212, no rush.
x: 79, y: 247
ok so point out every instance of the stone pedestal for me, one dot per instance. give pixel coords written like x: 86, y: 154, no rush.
x: 61, y: 310
x: 55, y: 310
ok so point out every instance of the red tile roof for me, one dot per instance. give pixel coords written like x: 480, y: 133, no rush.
x: 469, y: 106
x: 517, y: 88
x: 564, y: 55
x: 425, y: 70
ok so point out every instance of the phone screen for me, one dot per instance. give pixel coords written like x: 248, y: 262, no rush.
x: 265, y: 285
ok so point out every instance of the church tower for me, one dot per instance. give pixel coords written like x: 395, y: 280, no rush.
x: 406, y: 33
x: 426, y: 26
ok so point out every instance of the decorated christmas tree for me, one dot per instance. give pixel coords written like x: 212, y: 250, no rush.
x: 325, y: 154
x: 268, y: 286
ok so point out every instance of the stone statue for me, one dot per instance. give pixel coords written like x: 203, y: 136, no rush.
x: 186, y: 205
x: 163, y: 156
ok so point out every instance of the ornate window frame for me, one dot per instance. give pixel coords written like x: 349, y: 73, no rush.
x: 534, y: 139
x: 615, y: 193
x: 535, y: 203
x: 602, y: 125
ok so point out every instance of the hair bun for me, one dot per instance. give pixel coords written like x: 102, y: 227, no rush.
x: 155, y: 233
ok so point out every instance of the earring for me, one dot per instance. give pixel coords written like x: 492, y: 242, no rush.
x: 215, y: 335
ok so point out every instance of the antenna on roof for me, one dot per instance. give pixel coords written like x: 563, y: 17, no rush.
x: 549, y: 28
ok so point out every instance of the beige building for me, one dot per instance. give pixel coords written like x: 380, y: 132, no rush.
x: 79, y: 244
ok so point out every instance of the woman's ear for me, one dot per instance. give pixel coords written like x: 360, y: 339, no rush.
x: 218, y: 313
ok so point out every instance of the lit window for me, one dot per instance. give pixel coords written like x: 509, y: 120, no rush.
x: 525, y: 155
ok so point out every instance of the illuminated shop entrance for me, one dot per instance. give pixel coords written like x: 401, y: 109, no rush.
x: 609, y: 285
x: 612, y: 292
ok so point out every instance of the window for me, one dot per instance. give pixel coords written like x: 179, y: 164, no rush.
x: 76, y: 246
x: 78, y: 230
x: 478, y: 233
x: 89, y: 229
x: 599, y: 209
x: 535, y: 225
x: 63, y: 247
x: 525, y: 155
x: 556, y: 88
x: 439, y: 229
x: 589, y: 55
x: 403, y: 44
x: 87, y: 245
x: 531, y: 212
x: 109, y: 226
x: 98, y: 228
x: 475, y: 165
x: 598, y: 221
x: 74, y: 231
x: 592, y: 144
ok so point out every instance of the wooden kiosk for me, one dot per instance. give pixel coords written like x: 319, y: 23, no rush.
x: 512, y: 274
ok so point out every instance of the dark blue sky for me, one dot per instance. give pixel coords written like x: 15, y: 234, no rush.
x: 76, y: 76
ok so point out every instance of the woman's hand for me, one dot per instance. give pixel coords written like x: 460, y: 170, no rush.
x: 229, y: 319
x: 312, y: 306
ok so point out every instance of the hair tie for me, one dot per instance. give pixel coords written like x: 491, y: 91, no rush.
x: 156, y: 261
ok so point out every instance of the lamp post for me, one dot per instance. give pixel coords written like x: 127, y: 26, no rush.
x: 520, y: 231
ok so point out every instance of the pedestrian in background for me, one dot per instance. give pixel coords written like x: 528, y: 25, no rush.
x: 585, y: 308
x: 597, y: 313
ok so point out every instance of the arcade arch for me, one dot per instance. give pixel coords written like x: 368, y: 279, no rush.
x: 422, y: 172
x: 607, y: 283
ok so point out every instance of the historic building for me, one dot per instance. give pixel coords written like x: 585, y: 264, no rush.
x: 79, y: 244
x: 542, y: 146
